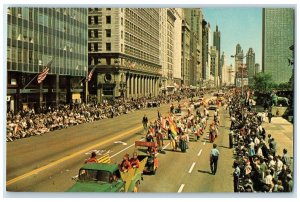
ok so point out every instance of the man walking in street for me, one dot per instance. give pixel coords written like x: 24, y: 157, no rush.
x: 270, y: 116
x: 214, y: 156
x: 145, y: 123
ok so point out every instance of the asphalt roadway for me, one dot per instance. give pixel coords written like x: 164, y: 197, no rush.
x: 47, y: 163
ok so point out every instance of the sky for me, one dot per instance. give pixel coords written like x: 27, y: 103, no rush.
x: 237, y: 25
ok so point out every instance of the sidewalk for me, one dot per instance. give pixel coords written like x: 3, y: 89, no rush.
x: 282, y: 131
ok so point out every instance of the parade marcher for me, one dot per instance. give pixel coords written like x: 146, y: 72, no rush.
x: 92, y: 159
x: 134, y: 161
x: 145, y: 123
x: 125, y: 164
x: 214, y: 157
x: 172, y: 139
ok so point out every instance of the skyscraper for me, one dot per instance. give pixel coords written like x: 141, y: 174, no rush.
x: 239, y: 56
x: 277, y: 37
x: 206, y: 44
x: 186, y: 50
x: 194, y: 18
x: 178, y: 12
x: 217, y: 44
x: 214, y: 65
x: 250, y: 64
x: 167, y: 33
x: 35, y: 35
x: 257, y: 68
x: 125, y: 51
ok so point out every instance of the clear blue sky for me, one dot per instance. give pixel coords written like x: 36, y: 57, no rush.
x: 237, y: 25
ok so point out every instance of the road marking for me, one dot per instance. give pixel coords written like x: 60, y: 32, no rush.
x: 125, y: 148
x: 35, y: 171
x: 166, y: 146
x: 204, y: 143
x: 120, y: 142
x: 163, y: 148
x: 180, y: 188
x: 192, y: 167
x: 98, y: 152
x: 200, y: 152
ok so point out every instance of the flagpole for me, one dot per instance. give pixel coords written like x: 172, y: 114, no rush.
x: 31, y: 81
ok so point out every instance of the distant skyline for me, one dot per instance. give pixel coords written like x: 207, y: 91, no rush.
x: 237, y: 25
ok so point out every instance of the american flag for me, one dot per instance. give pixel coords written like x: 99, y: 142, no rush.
x: 43, y: 75
x: 90, y: 74
x: 44, y: 72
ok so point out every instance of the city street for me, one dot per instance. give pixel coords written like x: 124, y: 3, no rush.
x: 86, y: 83
x: 53, y: 159
x: 47, y: 163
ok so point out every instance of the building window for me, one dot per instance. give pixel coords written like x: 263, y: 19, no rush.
x: 8, y: 54
x: 95, y: 20
x: 19, y: 56
x: 30, y: 14
x: 30, y: 56
x: 108, y: 19
x: 108, y: 61
x: 108, y: 9
x: 108, y: 33
x: 108, y: 46
x: 122, y: 21
x: 122, y: 48
x: 121, y: 34
x: 96, y: 46
x: 19, y: 12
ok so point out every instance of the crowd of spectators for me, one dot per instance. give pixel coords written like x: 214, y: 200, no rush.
x: 28, y: 122
x: 258, y: 166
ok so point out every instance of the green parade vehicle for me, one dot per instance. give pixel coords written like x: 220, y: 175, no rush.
x: 106, y: 177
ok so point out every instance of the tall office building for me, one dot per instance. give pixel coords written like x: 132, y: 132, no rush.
x: 217, y: 44
x: 35, y: 36
x: 205, y: 49
x: 224, y: 72
x: 214, y: 65
x: 178, y: 12
x: 125, y: 52
x: 257, y: 68
x: 167, y: 27
x: 185, y: 57
x: 278, y: 36
x: 250, y: 65
x: 239, y: 57
x: 193, y: 18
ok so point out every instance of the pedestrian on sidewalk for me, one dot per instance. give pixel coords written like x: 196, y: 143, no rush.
x: 236, y: 176
x: 214, y: 157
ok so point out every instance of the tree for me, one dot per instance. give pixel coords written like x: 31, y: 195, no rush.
x: 263, y: 83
